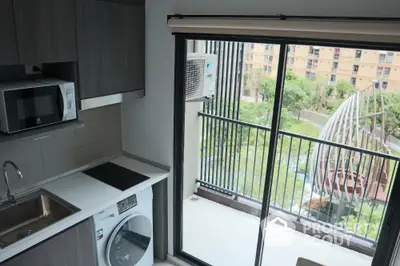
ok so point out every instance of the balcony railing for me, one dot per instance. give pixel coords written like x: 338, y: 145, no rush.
x: 349, y: 193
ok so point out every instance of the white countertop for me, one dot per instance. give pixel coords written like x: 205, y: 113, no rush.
x: 90, y: 196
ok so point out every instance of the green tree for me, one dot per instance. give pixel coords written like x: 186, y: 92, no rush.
x: 343, y: 88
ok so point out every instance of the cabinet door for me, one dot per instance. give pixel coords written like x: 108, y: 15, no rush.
x: 123, y: 46
x: 111, y: 44
x: 45, y: 30
x: 8, y: 41
x: 75, y: 246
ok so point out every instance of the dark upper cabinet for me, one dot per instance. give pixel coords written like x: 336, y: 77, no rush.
x: 8, y: 40
x: 46, y: 30
x: 111, y: 45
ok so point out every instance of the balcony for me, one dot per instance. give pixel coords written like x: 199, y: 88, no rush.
x: 348, y: 195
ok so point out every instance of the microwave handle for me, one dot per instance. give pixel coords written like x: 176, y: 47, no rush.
x: 64, y: 99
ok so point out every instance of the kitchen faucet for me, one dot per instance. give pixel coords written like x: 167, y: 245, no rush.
x: 10, y: 197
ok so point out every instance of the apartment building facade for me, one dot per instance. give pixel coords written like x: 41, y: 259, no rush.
x: 362, y: 68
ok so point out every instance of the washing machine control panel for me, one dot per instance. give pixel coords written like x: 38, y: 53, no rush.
x: 127, y: 204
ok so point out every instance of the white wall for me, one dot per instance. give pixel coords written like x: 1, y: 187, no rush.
x: 148, y: 122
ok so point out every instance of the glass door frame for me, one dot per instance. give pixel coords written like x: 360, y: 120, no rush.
x: 391, y: 224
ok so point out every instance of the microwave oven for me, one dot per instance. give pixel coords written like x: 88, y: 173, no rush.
x: 31, y: 104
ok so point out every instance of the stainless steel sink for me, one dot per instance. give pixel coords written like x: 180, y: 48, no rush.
x: 31, y: 214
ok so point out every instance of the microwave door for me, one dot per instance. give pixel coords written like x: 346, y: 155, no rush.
x: 33, y: 107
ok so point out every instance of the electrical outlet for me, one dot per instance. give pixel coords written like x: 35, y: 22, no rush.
x: 33, y: 69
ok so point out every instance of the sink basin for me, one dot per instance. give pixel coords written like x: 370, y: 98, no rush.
x: 31, y: 214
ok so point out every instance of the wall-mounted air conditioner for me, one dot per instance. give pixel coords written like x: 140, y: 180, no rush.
x: 201, y: 76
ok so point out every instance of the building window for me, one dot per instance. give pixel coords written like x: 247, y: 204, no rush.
x: 291, y: 61
x: 315, y: 63
x: 265, y: 68
x: 377, y: 85
x: 250, y: 66
x: 250, y: 57
x: 252, y: 45
x: 269, y: 69
x: 268, y: 47
x: 379, y: 71
x: 314, y: 50
x: 389, y: 57
x: 336, y: 53
x: 382, y: 58
x: 333, y: 79
x: 292, y: 49
x: 353, y: 81
x: 358, y: 54
x: 309, y: 63
x: 355, y: 69
x: 386, y: 71
x: 335, y: 66
x: 310, y: 75
x: 270, y: 58
x: 265, y: 58
x: 384, y: 85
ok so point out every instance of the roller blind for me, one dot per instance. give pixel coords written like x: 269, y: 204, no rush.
x: 376, y: 31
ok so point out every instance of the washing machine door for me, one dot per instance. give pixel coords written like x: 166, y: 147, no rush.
x: 129, y: 241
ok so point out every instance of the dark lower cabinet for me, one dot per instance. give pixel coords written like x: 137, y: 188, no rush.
x: 8, y: 40
x: 73, y: 247
x: 111, y: 47
x: 46, y: 31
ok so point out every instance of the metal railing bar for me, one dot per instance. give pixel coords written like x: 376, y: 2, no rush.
x: 290, y: 134
x: 376, y: 194
x: 279, y: 169
x: 313, y: 182
x: 240, y: 152
x: 262, y: 165
x: 323, y: 182
x: 334, y: 182
x: 295, y: 175
x: 304, y: 182
x: 247, y: 160
x: 254, y: 164
x: 287, y: 171
x: 354, y: 189
x: 363, y: 197
x: 387, y: 199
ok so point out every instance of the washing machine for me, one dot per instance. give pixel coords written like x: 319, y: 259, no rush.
x: 124, y: 232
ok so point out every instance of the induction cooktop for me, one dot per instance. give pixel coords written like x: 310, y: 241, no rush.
x: 116, y: 176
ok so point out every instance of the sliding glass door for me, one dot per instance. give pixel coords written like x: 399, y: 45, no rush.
x: 289, y: 152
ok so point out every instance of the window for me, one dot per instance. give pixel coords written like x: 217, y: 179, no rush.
x: 379, y: 71
x: 358, y: 54
x: 250, y: 56
x: 384, y: 85
x: 336, y: 53
x: 269, y: 69
x: 335, y: 66
x: 333, y: 79
x: 292, y: 49
x: 310, y: 75
x: 389, y: 57
x: 355, y: 69
x: 314, y: 50
x: 270, y: 58
x: 268, y: 47
x: 309, y: 63
x: 265, y: 68
x: 382, y: 58
x: 315, y: 63
x: 252, y: 45
x: 377, y: 85
x: 353, y: 81
x: 386, y: 71
x: 265, y: 58
x: 291, y: 61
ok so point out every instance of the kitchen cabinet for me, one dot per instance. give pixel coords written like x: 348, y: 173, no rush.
x: 8, y: 41
x: 111, y: 45
x: 75, y: 246
x: 46, y: 31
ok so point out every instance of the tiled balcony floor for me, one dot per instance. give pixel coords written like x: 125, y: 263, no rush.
x: 221, y: 236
